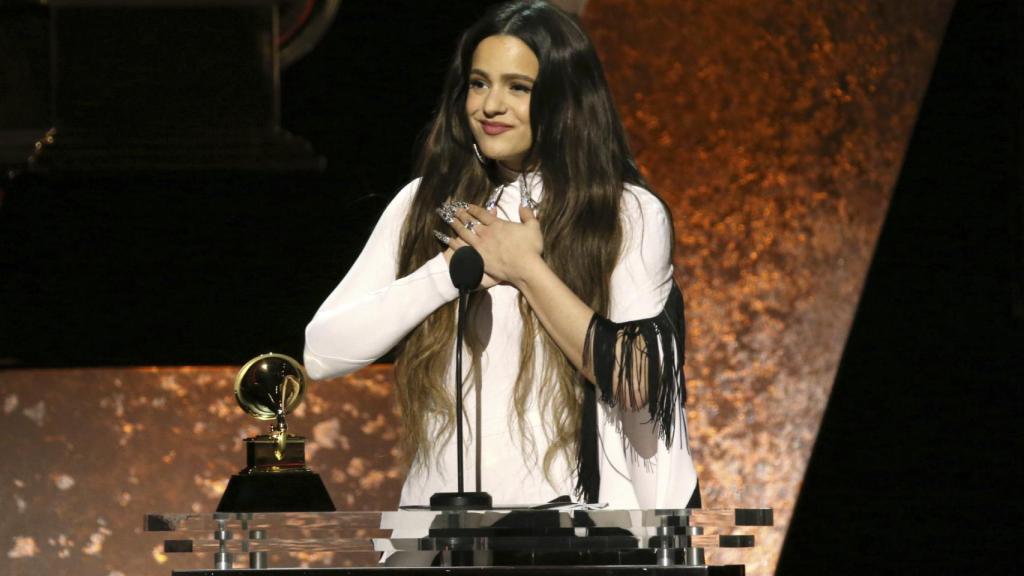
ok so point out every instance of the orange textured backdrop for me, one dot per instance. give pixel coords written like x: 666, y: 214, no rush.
x: 775, y: 130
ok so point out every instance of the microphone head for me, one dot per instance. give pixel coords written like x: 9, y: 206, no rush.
x: 466, y: 268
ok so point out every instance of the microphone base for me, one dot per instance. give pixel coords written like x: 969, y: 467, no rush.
x: 460, y: 501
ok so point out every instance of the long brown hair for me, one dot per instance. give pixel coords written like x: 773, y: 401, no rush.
x: 580, y: 147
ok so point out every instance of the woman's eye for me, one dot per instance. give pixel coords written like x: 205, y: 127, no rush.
x: 476, y: 84
x: 525, y: 88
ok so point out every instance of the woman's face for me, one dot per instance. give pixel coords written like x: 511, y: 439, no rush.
x: 498, y: 101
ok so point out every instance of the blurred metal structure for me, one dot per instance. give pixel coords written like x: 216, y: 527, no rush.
x: 169, y: 85
x: 24, y: 81
x: 304, y: 23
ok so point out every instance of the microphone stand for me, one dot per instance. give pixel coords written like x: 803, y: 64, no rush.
x: 466, y: 269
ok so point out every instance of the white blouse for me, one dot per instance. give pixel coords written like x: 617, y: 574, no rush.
x: 372, y: 309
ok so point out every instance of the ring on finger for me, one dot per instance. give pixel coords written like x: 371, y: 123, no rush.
x: 471, y: 225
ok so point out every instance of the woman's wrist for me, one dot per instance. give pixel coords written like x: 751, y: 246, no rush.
x: 528, y: 272
x: 562, y: 314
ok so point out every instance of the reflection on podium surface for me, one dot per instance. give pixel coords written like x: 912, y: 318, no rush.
x: 579, y: 536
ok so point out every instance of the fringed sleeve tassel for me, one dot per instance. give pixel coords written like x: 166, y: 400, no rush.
x: 616, y: 353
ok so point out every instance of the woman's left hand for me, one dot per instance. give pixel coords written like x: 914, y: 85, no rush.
x: 507, y: 248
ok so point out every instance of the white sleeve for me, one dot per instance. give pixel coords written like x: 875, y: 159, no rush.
x: 371, y: 310
x: 662, y: 476
x: 642, y: 279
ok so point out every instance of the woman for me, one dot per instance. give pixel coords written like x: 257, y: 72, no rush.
x: 526, y: 161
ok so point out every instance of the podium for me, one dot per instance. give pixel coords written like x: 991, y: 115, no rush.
x: 572, y: 540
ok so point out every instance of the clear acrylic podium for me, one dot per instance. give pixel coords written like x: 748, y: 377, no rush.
x: 567, y: 540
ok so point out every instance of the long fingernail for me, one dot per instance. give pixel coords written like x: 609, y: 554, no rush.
x: 446, y: 213
x: 448, y: 209
x: 442, y: 237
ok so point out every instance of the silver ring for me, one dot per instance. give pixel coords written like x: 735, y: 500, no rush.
x: 471, y: 224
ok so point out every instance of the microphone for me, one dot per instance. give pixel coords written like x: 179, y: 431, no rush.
x: 466, y: 268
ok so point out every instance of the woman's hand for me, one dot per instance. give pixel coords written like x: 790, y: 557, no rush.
x: 454, y: 244
x: 512, y: 253
x: 487, y: 281
x: 509, y: 249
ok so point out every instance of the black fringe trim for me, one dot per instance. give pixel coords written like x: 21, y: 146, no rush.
x: 588, y: 473
x: 661, y: 340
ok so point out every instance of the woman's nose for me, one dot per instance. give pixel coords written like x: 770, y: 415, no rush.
x: 494, y: 104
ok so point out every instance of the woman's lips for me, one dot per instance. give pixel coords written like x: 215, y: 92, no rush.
x: 493, y: 129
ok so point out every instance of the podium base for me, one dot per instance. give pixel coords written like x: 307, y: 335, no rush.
x: 460, y: 501
x: 276, y: 492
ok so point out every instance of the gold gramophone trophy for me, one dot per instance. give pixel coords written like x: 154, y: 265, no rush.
x: 275, y: 478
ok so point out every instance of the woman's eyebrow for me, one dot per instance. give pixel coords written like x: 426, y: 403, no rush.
x: 506, y: 77
x: 517, y: 77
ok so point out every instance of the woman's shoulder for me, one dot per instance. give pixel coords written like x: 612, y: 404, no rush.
x: 641, y: 206
x: 408, y: 191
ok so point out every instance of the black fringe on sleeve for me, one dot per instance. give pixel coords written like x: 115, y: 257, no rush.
x: 660, y: 340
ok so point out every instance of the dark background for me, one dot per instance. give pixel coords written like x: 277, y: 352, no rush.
x: 198, y: 268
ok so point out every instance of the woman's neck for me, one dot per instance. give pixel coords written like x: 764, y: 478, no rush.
x: 509, y: 174
x: 506, y: 173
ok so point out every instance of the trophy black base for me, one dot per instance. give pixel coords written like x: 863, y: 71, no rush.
x: 461, y: 501
x: 276, y: 492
